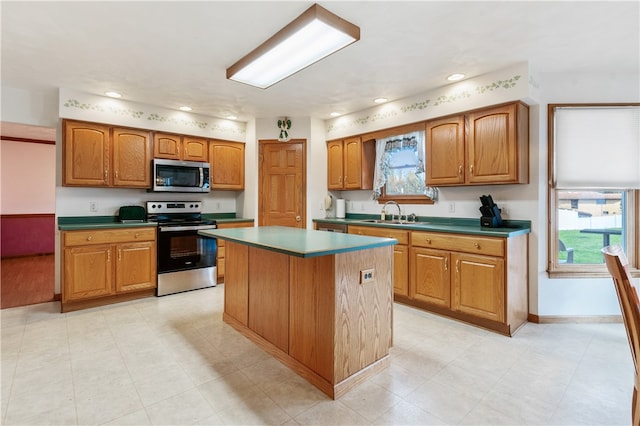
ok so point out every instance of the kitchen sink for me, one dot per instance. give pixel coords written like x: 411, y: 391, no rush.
x: 395, y: 222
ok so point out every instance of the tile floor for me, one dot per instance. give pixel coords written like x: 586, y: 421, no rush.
x: 172, y: 361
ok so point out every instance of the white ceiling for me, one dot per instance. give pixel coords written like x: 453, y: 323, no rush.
x: 174, y: 53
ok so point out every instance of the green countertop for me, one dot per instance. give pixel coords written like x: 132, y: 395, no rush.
x: 511, y: 228
x: 298, y: 242
x: 77, y: 223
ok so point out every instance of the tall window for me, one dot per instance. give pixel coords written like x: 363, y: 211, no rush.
x: 594, y: 182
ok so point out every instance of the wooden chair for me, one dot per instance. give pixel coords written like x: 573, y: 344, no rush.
x: 630, y: 306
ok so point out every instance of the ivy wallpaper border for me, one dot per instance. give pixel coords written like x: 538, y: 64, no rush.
x: 140, y: 115
x: 507, y: 84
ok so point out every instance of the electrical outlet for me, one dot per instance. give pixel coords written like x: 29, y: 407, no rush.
x: 93, y: 206
x: 452, y: 207
x: 367, y: 275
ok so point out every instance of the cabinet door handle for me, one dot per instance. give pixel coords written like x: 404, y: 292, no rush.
x: 428, y: 240
x: 446, y: 264
x: 186, y: 152
x: 457, y: 266
x: 90, y: 237
x: 116, y: 175
x: 471, y: 169
x: 477, y: 245
x: 136, y: 235
x: 109, y: 256
x: 106, y: 174
x: 460, y: 170
x: 119, y: 255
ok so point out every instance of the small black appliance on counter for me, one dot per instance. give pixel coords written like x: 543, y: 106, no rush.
x: 128, y: 214
x: 491, y: 217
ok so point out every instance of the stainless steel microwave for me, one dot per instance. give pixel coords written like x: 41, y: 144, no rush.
x: 180, y: 176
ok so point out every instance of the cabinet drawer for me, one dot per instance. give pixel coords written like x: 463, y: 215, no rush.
x: 462, y: 243
x: 82, y: 238
x: 220, y: 251
x: 398, y: 234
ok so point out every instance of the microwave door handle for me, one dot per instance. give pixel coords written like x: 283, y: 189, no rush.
x: 201, y: 177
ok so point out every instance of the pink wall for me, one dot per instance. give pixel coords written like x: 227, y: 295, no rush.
x: 27, y: 177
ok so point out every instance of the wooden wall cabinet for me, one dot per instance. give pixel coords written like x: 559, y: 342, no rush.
x: 178, y: 147
x: 227, y: 165
x: 350, y: 164
x: 221, y: 258
x: 107, y: 266
x: 400, y: 253
x: 487, y: 146
x: 105, y: 156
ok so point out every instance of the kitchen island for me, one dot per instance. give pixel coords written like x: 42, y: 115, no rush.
x: 320, y: 302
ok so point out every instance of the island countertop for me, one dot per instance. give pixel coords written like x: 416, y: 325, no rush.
x: 298, y: 242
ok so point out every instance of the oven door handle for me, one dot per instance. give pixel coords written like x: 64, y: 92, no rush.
x: 186, y: 228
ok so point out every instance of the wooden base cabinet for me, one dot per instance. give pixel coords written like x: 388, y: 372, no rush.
x: 478, y: 286
x: 430, y: 276
x: 477, y: 279
x: 400, y: 253
x: 107, y: 266
x: 312, y: 313
x: 221, y: 256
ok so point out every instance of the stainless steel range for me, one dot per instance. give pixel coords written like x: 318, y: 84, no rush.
x: 186, y: 260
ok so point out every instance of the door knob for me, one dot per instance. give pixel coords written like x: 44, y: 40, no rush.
x: 298, y: 218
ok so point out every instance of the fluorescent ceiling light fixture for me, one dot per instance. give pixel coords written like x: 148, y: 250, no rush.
x: 455, y: 77
x: 231, y: 117
x: 113, y: 94
x: 335, y: 114
x: 185, y: 108
x: 380, y: 100
x: 312, y: 36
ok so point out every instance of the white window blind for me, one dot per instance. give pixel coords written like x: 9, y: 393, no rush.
x: 597, y: 147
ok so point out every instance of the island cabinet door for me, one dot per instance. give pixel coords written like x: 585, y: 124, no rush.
x: 312, y: 313
x: 236, y: 285
x: 269, y: 296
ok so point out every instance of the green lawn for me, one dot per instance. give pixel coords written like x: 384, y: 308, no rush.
x: 586, y: 247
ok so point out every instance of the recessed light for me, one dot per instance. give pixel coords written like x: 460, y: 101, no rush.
x: 113, y: 94
x: 335, y: 114
x: 455, y: 77
x: 380, y: 100
x: 185, y: 108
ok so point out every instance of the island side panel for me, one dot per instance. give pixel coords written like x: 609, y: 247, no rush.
x: 517, y: 288
x: 269, y: 296
x: 312, y: 313
x: 364, y: 311
x: 236, y: 282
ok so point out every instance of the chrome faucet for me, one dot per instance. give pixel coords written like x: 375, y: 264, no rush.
x: 397, y: 205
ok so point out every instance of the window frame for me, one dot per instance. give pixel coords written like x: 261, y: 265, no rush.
x: 555, y: 269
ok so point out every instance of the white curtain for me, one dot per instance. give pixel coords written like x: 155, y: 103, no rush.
x: 384, y: 148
